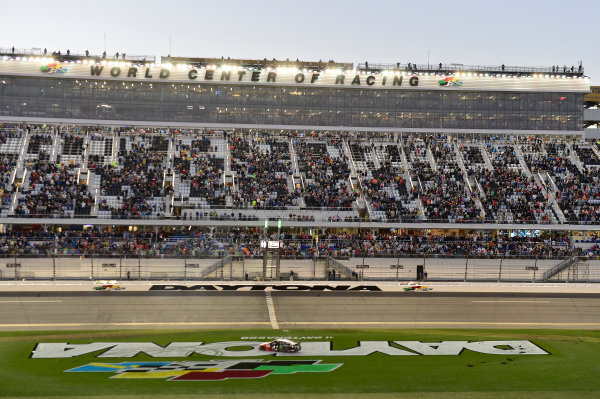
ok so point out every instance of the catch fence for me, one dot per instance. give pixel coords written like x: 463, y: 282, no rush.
x: 236, y: 267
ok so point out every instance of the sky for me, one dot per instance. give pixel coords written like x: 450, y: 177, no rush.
x: 524, y: 32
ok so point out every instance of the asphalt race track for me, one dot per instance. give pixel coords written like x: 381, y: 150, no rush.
x: 298, y: 310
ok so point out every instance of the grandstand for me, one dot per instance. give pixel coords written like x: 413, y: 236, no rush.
x: 192, y: 157
x: 85, y: 173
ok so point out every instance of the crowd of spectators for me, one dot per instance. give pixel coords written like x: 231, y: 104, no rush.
x: 262, y: 167
x: 326, y: 170
x: 445, y: 195
x: 246, y: 242
x: 53, y: 191
x: 389, y: 245
x: 201, y: 172
x: 135, y: 181
x: 408, y: 178
x: 386, y: 188
x: 577, y: 190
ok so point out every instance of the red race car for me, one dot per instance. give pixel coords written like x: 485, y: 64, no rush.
x: 280, y: 345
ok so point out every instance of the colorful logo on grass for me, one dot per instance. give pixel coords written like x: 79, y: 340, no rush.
x: 450, y: 81
x: 214, y: 370
x: 54, y: 67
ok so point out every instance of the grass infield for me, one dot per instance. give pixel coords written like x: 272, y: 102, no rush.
x: 571, y: 370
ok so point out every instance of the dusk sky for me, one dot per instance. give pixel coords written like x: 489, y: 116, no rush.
x: 523, y: 32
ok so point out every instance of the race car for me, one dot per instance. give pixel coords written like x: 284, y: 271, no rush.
x: 108, y: 286
x: 417, y: 287
x: 280, y: 345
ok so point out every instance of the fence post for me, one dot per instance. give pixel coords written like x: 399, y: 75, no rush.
x: 588, y: 270
x: 466, y: 267
x: 185, y: 267
x: 120, y: 266
x: 15, y: 267
x: 500, y: 268
x: 139, y: 266
x: 222, y: 264
x: 92, y: 266
x: 53, y: 266
x: 535, y: 267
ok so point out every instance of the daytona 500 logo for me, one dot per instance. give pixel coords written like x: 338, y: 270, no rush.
x: 213, y: 370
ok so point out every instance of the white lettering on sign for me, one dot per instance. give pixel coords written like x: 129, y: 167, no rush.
x: 250, y: 348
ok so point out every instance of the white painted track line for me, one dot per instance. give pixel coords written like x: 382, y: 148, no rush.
x: 40, y: 301
x: 500, y: 301
x: 271, y: 308
x: 138, y: 324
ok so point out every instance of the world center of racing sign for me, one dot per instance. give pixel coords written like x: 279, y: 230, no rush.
x: 387, y: 80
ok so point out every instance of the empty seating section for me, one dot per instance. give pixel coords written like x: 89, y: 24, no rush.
x: 39, y: 147
x: 72, y: 150
x: 362, y: 156
x: 326, y: 171
x: 100, y: 150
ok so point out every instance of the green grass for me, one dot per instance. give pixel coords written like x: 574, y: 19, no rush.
x: 571, y: 370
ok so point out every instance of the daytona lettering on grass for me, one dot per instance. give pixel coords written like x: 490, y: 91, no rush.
x: 250, y: 348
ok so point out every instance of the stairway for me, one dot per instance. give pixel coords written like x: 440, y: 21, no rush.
x: 559, y: 268
x: 521, y: 159
x: 486, y: 157
x: 431, y: 159
x: 574, y: 158
x: 271, y: 265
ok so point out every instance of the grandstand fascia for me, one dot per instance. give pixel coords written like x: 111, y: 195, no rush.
x: 290, y: 128
x: 384, y: 79
x: 293, y: 224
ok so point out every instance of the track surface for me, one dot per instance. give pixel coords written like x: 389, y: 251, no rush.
x: 118, y: 310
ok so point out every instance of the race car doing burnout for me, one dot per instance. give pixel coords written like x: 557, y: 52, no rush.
x: 280, y: 345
